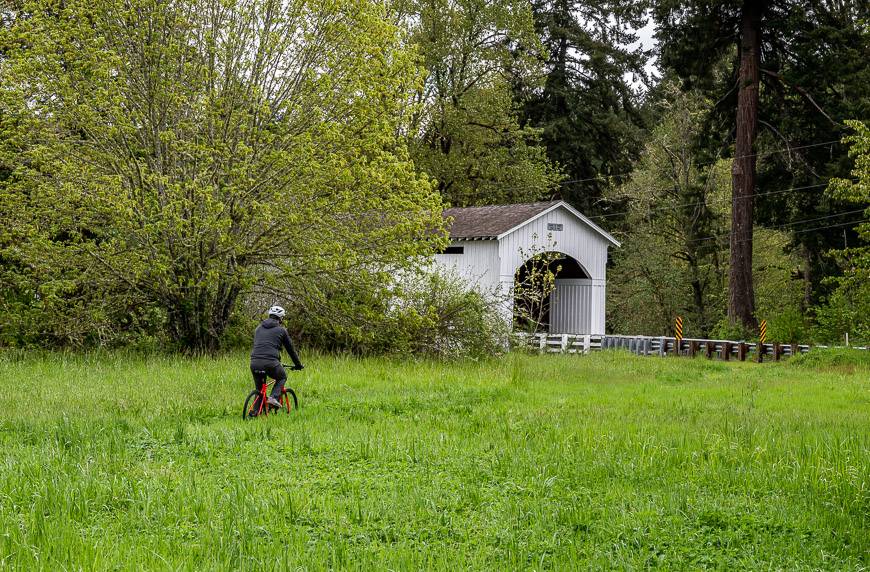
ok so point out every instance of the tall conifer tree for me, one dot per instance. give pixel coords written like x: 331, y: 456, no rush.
x: 587, y: 107
x: 797, y: 68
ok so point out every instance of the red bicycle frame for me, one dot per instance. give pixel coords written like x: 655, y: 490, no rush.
x: 259, y: 405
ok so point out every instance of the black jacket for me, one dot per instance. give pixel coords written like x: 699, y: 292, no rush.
x: 269, y: 336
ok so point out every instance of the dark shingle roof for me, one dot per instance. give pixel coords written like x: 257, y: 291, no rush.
x: 491, y: 221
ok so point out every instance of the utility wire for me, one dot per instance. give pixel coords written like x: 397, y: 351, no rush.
x: 787, y: 224
x: 722, y: 200
x: 627, y: 174
x: 712, y: 201
x: 831, y: 226
x: 699, y: 165
x: 786, y: 227
x: 725, y: 200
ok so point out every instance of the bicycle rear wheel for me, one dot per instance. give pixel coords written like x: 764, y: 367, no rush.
x: 289, y: 403
x: 253, y: 405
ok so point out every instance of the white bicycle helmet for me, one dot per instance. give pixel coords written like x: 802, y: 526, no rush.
x: 277, y: 311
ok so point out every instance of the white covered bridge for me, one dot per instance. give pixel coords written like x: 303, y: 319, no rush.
x: 491, y: 245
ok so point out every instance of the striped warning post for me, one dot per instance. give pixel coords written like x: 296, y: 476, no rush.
x: 763, y: 334
x: 678, y: 333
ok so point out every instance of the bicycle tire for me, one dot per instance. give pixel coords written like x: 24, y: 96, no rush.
x: 285, y: 400
x: 250, y: 403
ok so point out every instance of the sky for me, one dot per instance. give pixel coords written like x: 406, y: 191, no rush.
x: 645, y: 41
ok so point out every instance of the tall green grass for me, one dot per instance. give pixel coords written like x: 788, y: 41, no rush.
x: 546, y: 462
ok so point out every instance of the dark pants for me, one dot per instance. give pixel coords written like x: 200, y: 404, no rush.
x: 261, y: 370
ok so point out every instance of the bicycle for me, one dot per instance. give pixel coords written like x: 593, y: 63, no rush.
x: 257, y: 401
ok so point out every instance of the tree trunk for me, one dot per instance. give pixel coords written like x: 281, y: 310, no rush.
x: 197, y: 321
x: 808, y: 277
x: 741, y: 295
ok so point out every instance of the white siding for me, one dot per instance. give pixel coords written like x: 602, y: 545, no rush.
x: 577, y: 306
x: 478, y: 263
x: 577, y: 240
x: 581, y: 310
x: 571, y: 307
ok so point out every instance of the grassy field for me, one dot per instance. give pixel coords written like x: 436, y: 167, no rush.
x: 549, y: 462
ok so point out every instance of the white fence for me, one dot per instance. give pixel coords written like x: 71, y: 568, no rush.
x: 562, y: 343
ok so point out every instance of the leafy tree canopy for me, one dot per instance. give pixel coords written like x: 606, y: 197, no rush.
x: 848, y: 308
x: 183, y: 153
x: 588, y: 111
x: 466, y: 132
x: 813, y: 76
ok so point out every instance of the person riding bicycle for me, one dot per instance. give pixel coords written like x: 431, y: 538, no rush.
x: 269, y: 337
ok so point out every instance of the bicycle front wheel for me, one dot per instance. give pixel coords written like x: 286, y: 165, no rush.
x: 253, y: 405
x: 289, y: 403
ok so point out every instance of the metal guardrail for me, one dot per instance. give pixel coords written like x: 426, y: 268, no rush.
x: 723, y: 349
x: 663, y: 345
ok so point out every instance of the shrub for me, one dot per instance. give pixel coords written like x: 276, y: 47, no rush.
x: 725, y: 330
x: 788, y: 326
x: 444, y: 316
x: 423, y: 313
x: 821, y: 358
x: 847, y: 311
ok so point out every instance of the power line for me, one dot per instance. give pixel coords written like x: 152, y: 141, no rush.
x: 861, y: 221
x: 712, y: 201
x: 698, y: 165
x: 629, y: 173
x: 786, y: 227
x: 849, y: 223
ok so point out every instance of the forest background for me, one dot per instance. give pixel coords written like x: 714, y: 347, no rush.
x: 168, y: 168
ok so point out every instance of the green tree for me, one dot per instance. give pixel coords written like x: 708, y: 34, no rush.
x: 534, y: 284
x: 848, y: 310
x: 592, y: 126
x: 857, y: 192
x: 674, y: 258
x: 798, y: 68
x: 466, y: 132
x: 672, y: 250
x: 816, y: 80
x: 697, y: 30
x: 184, y: 153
